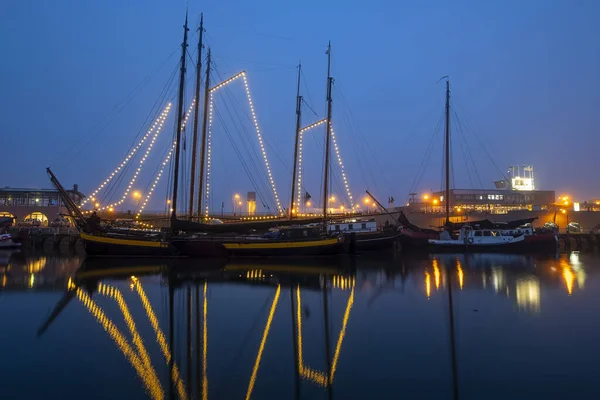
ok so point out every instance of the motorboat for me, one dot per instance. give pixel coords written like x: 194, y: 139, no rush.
x: 470, y: 239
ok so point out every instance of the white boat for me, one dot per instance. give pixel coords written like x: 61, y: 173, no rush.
x: 477, y: 240
x: 6, y: 241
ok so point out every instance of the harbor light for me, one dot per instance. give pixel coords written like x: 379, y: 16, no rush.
x: 563, y: 211
x: 366, y: 200
x: 110, y: 209
x: 97, y: 205
x: 308, y: 204
x: 332, y: 199
x: 425, y: 197
x: 435, y: 201
x: 137, y: 195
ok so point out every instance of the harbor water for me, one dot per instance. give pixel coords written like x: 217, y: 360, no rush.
x: 477, y: 326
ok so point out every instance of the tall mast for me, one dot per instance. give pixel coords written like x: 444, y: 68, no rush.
x: 179, y: 118
x: 195, y: 137
x: 447, y: 200
x: 328, y: 134
x: 298, y: 122
x: 203, y: 146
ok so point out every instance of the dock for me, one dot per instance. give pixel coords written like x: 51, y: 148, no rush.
x: 63, y: 240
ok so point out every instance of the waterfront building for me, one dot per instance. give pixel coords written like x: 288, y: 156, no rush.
x: 41, y: 204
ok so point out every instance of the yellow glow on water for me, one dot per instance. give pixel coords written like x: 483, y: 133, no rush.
x: 262, y: 343
x: 528, y: 294
x: 427, y: 284
x: 160, y: 336
x: 461, y: 274
x: 147, y: 376
x: 436, y: 273
x: 568, y: 276
x: 319, y: 377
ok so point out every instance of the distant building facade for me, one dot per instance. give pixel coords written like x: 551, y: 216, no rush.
x: 496, y: 201
x: 41, y: 204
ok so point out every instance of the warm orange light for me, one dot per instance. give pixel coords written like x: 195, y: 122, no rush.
x: 236, y: 196
x: 308, y: 204
x: 342, y: 208
x: 425, y: 197
x: 332, y: 199
x: 239, y: 203
x: 366, y: 200
x: 110, y: 209
x: 563, y: 211
x: 168, y: 201
x: 137, y: 194
x: 458, y: 209
x: 97, y: 205
x: 435, y: 201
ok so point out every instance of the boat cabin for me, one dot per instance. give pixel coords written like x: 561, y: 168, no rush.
x: 354, y: 225
x: 471, y: 235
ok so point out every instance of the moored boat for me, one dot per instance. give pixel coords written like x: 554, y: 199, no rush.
x: 7, y: 242
x: 477, y: 240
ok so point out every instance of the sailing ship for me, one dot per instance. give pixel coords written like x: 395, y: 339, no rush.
x: 198, y: 239
x: 413, y: 237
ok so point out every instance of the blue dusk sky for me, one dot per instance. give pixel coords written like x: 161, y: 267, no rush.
x: 79, y: 79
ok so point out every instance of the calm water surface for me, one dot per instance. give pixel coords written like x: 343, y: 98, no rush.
x: 521, y: 327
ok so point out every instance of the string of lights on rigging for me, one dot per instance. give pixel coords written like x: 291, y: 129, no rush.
x: 161, y: 118
x: 243, y: 75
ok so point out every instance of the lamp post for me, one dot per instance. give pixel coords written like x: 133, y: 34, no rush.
x: 236, y: 200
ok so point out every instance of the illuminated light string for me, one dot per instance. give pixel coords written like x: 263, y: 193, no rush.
x: 256, y: 127
x: 156, y: 180
x: 141, y: 164
x: 338, y: 156
x: 208, y: 155
x: 137, y: 172
x: 158, y: 120
x: 300, y: 148
x: 341, y: 164
x: 165, y: 162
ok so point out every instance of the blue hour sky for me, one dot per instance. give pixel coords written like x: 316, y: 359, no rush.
x: 525, y: 79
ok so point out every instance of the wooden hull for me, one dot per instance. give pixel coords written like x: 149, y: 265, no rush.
x: 317, y: 247
x: 211, y: 247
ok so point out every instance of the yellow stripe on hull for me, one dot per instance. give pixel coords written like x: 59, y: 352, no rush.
x: 280, y: 245
x: 123, y: 242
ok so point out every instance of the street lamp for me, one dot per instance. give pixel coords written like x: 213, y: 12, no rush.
x: 137, y: 195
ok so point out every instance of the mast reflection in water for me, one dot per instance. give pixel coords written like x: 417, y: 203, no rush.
x: 443, y: 326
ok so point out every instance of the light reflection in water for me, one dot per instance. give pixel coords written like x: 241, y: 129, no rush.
x: 528, y: 294
x: 261, y: 348
x: 427, y: 284
x: 306, y: 372
x: 568, y: 276
x: 461, y: 274
x: 436, y: 273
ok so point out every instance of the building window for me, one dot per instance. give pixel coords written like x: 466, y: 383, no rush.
x: 350, y: 227
x: 363, y: 226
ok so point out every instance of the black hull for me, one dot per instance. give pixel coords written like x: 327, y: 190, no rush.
x: 376, y: 241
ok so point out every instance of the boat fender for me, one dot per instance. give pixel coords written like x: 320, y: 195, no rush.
x: 470, y: 240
